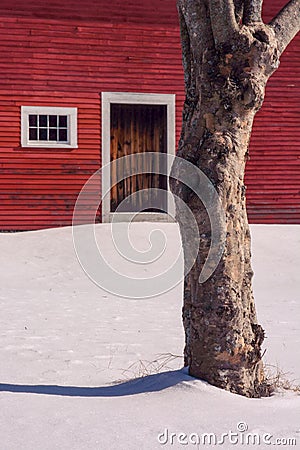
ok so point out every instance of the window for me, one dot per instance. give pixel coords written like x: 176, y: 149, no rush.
x: 48, y: 127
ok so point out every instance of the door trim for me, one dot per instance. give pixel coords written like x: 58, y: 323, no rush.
x: 108, y: 98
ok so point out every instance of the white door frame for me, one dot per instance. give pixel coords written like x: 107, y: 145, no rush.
x: 108, y: 98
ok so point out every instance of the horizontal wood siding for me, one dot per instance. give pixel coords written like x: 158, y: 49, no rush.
x: 113, y: 11
x: 66, y: 53
x: 39, y: 187
x: 58, y: 63
x: 273, y: 172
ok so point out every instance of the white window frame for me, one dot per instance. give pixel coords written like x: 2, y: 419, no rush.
x: 108, y: 98
x: 46, y: 110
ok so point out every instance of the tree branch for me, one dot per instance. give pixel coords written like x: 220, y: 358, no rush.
x: 197, y: 41
x: 186, y: 50
x: 286, y: 24
x: 223, y: 21
x: 252, y: 11
x: 238, y: 9
x: 196, y: 29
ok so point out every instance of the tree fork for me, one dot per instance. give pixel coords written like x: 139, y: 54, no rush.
x: 228, y: 56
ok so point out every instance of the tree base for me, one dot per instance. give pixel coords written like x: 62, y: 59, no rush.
x: 241, y: 382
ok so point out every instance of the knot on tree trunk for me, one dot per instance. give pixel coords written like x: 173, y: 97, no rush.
x: 238, y: 70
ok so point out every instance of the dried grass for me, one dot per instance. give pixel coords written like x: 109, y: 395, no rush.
x: 280, y: 381
x: 144, y: 368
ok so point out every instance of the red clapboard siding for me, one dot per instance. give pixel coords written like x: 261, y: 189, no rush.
x: 66, y: 53
x: 38, y: 187
x: 273, y: 172
x: 60, y: 62
x: 114, y: 11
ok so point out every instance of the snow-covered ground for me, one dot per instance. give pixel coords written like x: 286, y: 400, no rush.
x: 71, y: 353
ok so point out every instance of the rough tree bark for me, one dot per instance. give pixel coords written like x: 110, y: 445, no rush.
x: 228, y: 56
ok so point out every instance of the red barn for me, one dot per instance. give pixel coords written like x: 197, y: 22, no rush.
x: 79, y: 73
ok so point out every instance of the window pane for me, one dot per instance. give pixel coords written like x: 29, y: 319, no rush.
x: 63, y: 121
x: 52, y: 135
x: 63, y: 135
x: 32, y: 134
x: 43, y: 121
x: 43, y: 134
x: 32, y: 120
x: 48, y: 127
x: 53, y: 121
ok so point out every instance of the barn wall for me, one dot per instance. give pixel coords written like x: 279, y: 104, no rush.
x: 51, y: 63
x: 66, y: 54
x: 115, y: 11
x: 38, y: 187
x: 273, y: 172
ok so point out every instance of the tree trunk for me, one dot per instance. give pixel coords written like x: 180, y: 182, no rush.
x: 228, y: 56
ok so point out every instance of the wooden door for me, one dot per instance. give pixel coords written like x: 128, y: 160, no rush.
x: 138, y: 129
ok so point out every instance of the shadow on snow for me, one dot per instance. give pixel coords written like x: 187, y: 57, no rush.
x: 149, y: 383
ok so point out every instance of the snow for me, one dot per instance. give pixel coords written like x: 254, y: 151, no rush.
x: 71, y: 353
